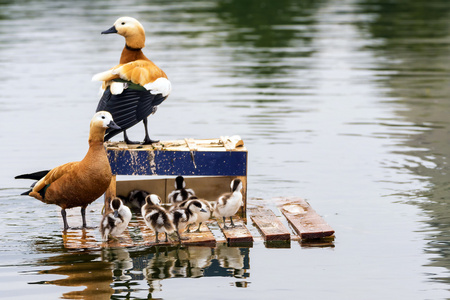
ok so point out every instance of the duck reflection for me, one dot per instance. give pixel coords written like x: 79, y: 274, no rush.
x: 81, y: 270
x: 121, y: 262
x: 196, y: 262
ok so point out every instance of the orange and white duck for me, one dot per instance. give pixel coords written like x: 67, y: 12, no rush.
x: 136, y: 86
x: 77, y: 184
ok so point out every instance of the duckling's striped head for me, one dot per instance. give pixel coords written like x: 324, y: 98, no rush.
x: 236, y: 185
x: 153, y: 199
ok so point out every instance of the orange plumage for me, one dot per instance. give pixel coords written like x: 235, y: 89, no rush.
x: 142, y: 85
x: 78, y: 183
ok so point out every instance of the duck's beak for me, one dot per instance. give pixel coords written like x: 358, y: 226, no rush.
x: 116, y: 213
x: 203, y: 210
x: 111, y: 30
x: 113, y: 125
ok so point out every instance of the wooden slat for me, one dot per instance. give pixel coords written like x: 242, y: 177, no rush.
x: 191, y: 144
x: 238, y: 234
x: 269, y: 225
x: 304, y: 219
x: 205, y: 237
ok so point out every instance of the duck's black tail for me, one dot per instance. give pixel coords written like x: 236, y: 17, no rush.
x: 26, y: 193
x: 34, y: 176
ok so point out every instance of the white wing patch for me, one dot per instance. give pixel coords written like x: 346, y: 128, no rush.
x: 159, y: 86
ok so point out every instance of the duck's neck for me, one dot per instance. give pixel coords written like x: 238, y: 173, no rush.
x: 130, y: 54
x: 96, y: 136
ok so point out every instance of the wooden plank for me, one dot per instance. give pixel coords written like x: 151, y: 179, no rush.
x: 191, y: 144
x: 238, y: 234
x: 204, y: 238
x: 304, y: 219
x: 269, y: 225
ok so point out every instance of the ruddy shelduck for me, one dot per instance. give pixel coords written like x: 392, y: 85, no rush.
x: 77, y: 184
x: 136, y: 86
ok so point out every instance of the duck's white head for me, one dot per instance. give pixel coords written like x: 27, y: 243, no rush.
x: 103, y: 119
x: 153, y: 199
x: 131, y: 29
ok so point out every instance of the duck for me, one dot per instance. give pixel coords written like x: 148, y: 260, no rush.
x: 180, y: 193
x: 135, y: 87
x: 77, y: 184
x: 228, y: 204
x: 201, y: 216
x: 183, y: 216
x: 156, y: 217
x: 116, y: 221
x: 136, y: 198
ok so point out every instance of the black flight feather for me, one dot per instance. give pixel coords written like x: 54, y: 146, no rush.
x: 128, y: 108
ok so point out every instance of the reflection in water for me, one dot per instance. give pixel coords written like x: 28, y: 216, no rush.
x: 415, y: 38
x: 116, y: 271
x: 196, y: 262
x: 81, y: 270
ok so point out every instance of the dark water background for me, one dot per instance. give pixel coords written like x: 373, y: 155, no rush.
x: 344, y: 103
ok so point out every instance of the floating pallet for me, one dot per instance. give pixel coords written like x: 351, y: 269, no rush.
x: 304, y: 219
x: 307, y: 227
x: 269, y: 225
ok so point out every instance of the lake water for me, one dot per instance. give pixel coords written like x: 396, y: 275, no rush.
x: 344, y: 103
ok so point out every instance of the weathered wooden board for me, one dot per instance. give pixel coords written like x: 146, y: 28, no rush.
x: 205, y: 237
x: 269, y: 225
x: 238, y: 234
x: 304, y: 219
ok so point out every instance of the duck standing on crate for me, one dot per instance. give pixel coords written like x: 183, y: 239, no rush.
x: 135, y: 87
x: 228, y: 204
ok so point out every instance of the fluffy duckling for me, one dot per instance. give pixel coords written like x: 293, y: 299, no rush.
x: 80, y: 183
x: 136, y: 86
x: 116, y: 221
x: 183, y: 216
x: 136, y: 198
x: 156, y: 217
x: 180, y: 193
x: 203, y: 215
x: 229, y: 203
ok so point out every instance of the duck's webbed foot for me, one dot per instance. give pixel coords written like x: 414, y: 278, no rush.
x: 127, y: 140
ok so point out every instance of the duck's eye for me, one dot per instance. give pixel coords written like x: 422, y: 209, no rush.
x: 103, y: 117
x: 123, y: 23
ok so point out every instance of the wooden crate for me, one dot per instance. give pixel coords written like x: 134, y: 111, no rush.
x: 208, y: 166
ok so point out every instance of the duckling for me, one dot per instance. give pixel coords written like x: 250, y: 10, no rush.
x: 203, y: 215
x: 135, y: 87
x: 180, y: 193
x: 182, y: 216
x: 136, y: 198
x: 157, y: 217
x: 116, y: 221
x: 80, y: 183
x: 229, y: 203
